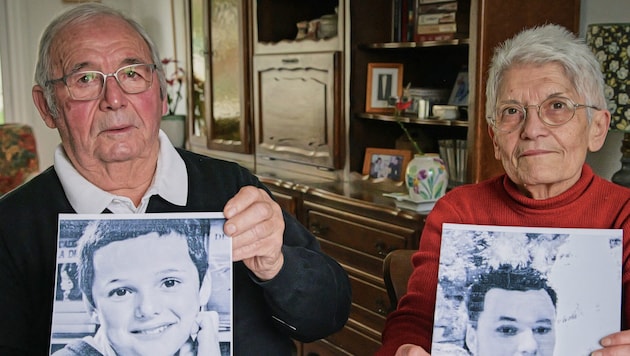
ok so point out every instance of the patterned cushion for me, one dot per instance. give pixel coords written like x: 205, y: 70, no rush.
x: 18, y: 156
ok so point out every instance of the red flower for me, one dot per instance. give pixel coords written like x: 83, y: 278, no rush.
x: 403, y: 105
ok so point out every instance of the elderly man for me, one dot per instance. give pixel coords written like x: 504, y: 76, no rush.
x: 101, y: 85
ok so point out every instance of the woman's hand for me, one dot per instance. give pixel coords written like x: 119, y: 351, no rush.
x: 616, y: 344
x: 411, y: 350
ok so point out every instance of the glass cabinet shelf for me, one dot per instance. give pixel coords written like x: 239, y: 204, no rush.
x: 413, y: 120
x: 403, y: 45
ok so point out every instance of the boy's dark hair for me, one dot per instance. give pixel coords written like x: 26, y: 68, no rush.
x: 508, y: 278
x: 101, y: 233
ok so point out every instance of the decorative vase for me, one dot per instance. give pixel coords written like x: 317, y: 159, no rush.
x: 426, y: 177
x: 175, y: 128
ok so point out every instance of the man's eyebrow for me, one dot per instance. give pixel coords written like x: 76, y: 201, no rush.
x: 134, y: 60
x: 512, y: 319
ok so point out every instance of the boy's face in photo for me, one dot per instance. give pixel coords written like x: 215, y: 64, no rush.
x: 146, y: 294
x: 514, y: 323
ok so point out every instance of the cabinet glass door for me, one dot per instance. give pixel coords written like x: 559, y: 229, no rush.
x: 220, y: 75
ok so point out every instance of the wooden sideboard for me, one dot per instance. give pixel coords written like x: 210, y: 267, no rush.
x: 357, y: 226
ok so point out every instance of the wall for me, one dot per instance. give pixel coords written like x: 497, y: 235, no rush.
x: 605, y: 162
x: 19, y: 41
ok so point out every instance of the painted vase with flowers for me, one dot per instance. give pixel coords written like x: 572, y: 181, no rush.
x: 426, y: 176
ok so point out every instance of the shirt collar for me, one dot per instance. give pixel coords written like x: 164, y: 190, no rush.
x: 170, y: 182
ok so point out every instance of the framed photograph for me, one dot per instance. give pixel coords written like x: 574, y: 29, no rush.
x: 386, y: 163
x: 384, y: 80
x: 459, y: 95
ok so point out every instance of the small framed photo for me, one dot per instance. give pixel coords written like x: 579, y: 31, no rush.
x: 384, y: 80
x: 459, y: 95
x: 386, y: 163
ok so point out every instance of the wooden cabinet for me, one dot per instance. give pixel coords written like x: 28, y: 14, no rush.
x: 297, y: 108
x: 436, y: 65
x: 359, y: 235
x: 358, y: 232
x: 219, y: 81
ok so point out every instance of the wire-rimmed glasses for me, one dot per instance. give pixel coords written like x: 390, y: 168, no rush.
x: 90, y: 84
x: 553, y: 111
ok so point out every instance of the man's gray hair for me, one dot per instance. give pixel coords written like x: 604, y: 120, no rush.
x: 79, y: 15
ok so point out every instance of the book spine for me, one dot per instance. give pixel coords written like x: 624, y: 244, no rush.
x: 438, y: 8
x: 396, y: 20
x: 411, y: 19
x: 437, y: 28
x: 435, y: 37
x: 432, y: 1
x: 437, y: 18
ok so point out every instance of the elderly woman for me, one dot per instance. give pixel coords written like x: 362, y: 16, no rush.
x: 546, y: 109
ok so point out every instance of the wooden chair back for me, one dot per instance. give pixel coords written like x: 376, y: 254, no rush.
x: 397, y: 269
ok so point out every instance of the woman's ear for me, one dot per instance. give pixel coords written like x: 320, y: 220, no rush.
x: 493, y: 137
x: 42, y: 106
x: 598, y: 130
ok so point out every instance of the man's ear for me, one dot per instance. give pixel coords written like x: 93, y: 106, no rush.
x: 598, y: 130
x: 42, y: 106
x: 205, y: 290
x: 471, y: 339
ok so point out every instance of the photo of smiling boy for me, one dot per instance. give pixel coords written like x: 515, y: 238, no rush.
x: 146, y: 284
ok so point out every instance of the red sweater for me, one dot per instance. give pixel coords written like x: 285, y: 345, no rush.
x: 591, y: 203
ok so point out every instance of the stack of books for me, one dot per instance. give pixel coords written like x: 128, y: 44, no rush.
x: 454, y: 154
x: 441, y: 20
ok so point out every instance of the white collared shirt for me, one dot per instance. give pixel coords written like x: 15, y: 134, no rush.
x: 170, y: 182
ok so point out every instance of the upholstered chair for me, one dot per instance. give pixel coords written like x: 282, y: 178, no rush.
x: 18, y: 156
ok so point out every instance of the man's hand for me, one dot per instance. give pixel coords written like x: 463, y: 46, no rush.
x: 255, y: 223
x: 616, y: 344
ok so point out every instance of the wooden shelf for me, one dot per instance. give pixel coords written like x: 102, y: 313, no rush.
x: 412, y: 120
x: 427, y: 44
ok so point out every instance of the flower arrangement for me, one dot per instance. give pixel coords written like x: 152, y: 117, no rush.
x: 174, y: 81
x: 400, y: 105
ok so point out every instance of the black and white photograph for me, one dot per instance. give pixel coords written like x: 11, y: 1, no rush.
x: 143, y: 285
x: 506, y: 290
x: 384, y: 80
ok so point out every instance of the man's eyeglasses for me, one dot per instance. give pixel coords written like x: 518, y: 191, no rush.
x: 553, y: 111
x: 90, y: 84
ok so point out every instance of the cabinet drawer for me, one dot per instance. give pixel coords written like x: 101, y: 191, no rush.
x: 322, y: 348
x: 354, y: 244
x: 354, y: 341
x: 370, y: 304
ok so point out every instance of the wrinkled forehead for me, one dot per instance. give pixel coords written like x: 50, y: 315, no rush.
x: 98, y: 38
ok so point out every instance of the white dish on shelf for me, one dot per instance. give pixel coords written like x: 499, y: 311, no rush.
x: 404, y: 201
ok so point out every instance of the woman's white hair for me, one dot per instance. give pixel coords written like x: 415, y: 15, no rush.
x: 548, y: 44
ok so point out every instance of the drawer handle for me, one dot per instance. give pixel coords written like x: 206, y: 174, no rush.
x: 290, y: 60
x: 318, y: 229
x: 381, y: 248
x: 381, y: 308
